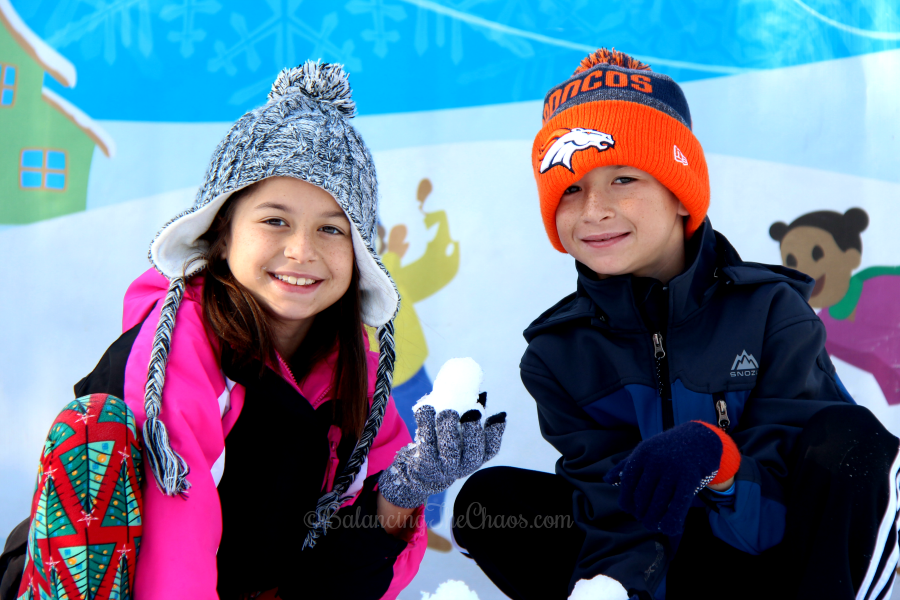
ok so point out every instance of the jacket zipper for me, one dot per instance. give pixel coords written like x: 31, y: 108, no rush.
x: 328, y: 483
x: 721, y: 411
x: 287, y: 368
x: 334, y: 436
x: 662, y: 381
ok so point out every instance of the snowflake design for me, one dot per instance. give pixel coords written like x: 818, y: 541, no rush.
x: 520, y: 9
x: 113, y: 17
x: 511, y: 8
x: 284, y: 26
x: 521, y: 75
x: 187, y: 11
x: 380, y: 11
x: 570, y: 16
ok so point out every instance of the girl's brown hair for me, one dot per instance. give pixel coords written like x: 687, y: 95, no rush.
x: 242, y: 324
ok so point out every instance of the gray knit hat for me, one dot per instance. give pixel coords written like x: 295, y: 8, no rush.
x: 303, y: 131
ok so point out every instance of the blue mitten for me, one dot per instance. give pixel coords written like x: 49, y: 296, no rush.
x: 663, y: 474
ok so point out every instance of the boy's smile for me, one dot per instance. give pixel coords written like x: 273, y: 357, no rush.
x: 619, y: 219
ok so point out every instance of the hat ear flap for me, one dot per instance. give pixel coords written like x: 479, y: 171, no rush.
x: 168, y: 467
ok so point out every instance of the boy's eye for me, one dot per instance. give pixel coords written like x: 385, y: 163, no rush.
x: 331, y: 229
x: 624, y: 179
x: 571, y: 189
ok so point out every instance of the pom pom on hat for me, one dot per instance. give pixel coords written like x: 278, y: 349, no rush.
x: 610, y: 57
x: 323, y: 82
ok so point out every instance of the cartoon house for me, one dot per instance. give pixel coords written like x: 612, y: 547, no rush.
x: 46, y: 143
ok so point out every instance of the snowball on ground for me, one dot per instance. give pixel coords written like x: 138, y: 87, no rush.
x: 451, y: 590
x: 600, y: 587
x: 456, y: 386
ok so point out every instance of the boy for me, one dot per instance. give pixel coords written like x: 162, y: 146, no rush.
x: 708, y: 447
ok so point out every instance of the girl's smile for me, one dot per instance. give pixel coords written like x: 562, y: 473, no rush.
x: 301, y: 284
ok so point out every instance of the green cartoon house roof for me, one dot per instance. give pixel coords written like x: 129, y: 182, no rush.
x: 47, y: 144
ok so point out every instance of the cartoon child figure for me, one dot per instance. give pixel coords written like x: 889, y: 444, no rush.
x: 416, y: 281
x: 860, y: 312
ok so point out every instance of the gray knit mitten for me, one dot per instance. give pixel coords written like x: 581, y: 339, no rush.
x: 446, y: 448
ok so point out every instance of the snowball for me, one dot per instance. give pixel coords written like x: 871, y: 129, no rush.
x: 451, y: 590
x: 600, y: 587
x: 456, y: 386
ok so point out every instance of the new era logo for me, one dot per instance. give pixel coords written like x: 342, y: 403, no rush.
x: 744, y: 365
x: 679, y: 155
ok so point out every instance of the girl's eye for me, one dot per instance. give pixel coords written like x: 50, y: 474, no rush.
x: 275, y: 221
x: 817, y: 253
x: 624, y: 179
x: 571, y: 189
x: 331, y: 229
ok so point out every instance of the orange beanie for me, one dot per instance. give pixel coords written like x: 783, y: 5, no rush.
x: 615, y: 111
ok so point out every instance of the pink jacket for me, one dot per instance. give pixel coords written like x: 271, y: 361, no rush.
x: 199, y: 408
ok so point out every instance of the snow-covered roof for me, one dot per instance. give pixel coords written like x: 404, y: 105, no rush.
x: 77, y: 116
x: 53, y: 62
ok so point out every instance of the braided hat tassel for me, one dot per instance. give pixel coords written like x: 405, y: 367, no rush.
x: 169, y: 469
x: 330, y: 502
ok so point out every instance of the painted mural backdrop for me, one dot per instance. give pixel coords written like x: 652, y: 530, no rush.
x: 109, y: 110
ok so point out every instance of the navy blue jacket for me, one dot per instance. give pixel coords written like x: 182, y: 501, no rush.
x: 731, y: 331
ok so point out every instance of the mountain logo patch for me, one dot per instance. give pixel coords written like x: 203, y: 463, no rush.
x: 744, y: 365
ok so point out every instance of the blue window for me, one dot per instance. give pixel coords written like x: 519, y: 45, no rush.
x: 7, y: 85
x: 31, y: 179
x: 33, y: 159
x: 55, y: 181
x: 56, y: 160
x: 41, y: 169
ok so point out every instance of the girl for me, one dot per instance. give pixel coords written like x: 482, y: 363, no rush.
x: 860, y: 311
x: 247, y: 342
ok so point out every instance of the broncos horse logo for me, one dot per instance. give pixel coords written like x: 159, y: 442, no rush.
x: 563, y: 143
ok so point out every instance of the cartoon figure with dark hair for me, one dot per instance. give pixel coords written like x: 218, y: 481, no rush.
x: 416, y: 281
x: 861, y: 312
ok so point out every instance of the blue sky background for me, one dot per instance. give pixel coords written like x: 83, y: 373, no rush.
x: 211, y: 60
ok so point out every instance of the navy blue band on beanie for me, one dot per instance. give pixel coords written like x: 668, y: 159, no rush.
x: 612, y: 82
